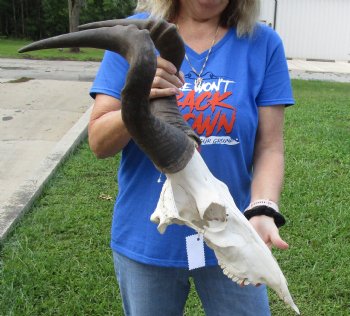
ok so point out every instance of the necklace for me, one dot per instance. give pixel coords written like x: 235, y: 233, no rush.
x: 199, y: 80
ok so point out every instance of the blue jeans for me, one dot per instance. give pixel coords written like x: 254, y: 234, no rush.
x: 148, y: 290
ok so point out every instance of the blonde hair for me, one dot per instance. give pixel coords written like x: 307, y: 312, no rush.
x: 241, y: 14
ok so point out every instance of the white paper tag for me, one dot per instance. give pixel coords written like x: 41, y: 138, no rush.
x: 195, y: 251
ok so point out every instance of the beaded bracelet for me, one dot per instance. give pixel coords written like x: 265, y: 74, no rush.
x: 268, y: 203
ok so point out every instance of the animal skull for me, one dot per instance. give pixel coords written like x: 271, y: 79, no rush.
x: 194, y: 197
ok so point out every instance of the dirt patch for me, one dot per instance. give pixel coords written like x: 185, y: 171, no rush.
x: 19, y: 80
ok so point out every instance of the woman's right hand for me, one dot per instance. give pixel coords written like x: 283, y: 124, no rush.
x: 166, y: 82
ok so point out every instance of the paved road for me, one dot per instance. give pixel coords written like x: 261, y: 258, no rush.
x: 48, y: 69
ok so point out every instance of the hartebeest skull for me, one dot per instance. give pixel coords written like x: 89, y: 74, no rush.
x: 191, y: 195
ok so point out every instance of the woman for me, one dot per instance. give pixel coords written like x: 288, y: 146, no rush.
x: 233, y: 92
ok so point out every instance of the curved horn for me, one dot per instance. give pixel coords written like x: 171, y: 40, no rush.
x: 164, y: 36
x: 105, y: 38
x: 156, y: 126
x: 105, y: 23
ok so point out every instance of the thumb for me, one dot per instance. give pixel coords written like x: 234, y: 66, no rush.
x: 277, y: 241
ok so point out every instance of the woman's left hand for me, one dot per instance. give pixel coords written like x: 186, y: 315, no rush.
x: 268, y: 231
x: 166, y: 81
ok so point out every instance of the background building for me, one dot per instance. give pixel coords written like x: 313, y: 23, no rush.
x: 311, y: 29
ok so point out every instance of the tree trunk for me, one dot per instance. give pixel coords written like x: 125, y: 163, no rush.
x: 22, y: 19
x: 74, y: 7
x: 14, y: 17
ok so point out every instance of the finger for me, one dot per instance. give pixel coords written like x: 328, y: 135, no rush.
x: 182, y: 77
x: 159, y: 93
x: 164, y: 79
x: 166, y: 65
x: 278, y: 242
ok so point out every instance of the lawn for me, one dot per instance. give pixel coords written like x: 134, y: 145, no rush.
x: 9, y: 48
x: 57, y: 260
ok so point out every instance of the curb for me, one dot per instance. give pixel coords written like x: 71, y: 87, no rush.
x: 320, y: 76
x: 22, y: 199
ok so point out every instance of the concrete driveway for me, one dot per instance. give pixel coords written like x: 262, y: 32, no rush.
x: 40, y: 122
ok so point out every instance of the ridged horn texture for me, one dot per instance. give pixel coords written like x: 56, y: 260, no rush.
x: 155, y: 125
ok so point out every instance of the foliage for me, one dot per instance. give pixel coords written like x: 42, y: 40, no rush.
x: 58, y: 262
x: 97, y: 10
x: 55, y: 19
x: 35, y: 19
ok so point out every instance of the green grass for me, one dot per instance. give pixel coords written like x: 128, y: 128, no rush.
x: 9, y: 48
x: 57, y: 261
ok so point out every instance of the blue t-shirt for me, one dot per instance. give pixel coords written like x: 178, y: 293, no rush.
x: 241, y: 74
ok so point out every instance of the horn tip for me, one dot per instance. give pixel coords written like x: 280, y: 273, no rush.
x: 82, y: 27
x: 22, y: 50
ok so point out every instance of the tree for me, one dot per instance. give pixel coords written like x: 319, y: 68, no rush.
x: 74, y: 9
x: 36, y: 19
x: 97, y: 10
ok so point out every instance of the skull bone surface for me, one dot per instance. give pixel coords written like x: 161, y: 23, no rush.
x: 194, y: 197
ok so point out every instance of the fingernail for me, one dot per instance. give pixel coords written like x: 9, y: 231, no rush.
x: 182, y: 76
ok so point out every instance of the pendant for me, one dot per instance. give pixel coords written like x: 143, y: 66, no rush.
x: 198, y: 82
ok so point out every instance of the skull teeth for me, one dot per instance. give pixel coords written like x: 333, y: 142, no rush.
x: 234, y: 278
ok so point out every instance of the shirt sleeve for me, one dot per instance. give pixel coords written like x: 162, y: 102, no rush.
x: 276, y: 87
x: 110, y: 78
